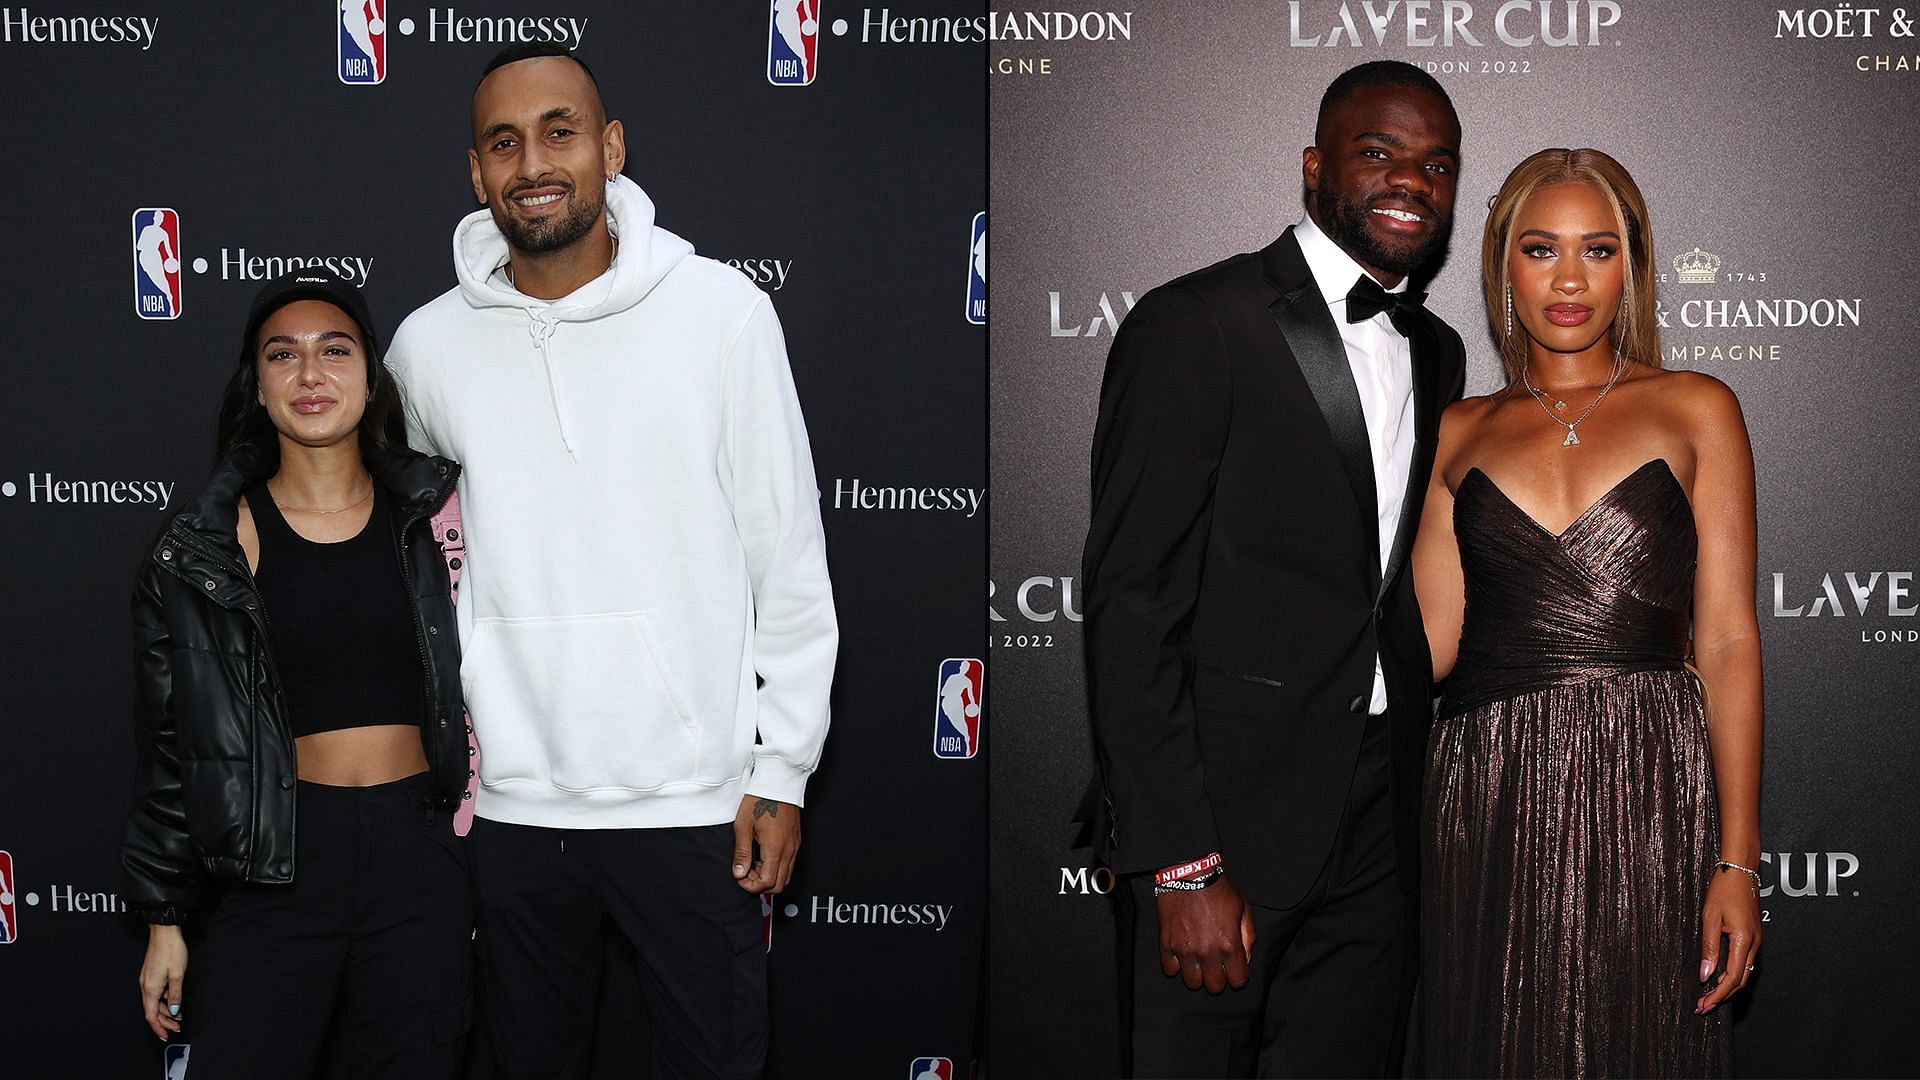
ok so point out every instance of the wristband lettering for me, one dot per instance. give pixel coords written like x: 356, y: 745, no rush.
x: 1192, y: 884
x: 1187, y: 870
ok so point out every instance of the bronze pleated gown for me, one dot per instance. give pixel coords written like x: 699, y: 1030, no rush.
x: 1570, y: 827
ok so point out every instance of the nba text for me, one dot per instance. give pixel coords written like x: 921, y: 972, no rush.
x: 958, y: 720
x: 793, y: 42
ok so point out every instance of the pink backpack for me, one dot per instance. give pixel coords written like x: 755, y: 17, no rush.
x: 453, y: 544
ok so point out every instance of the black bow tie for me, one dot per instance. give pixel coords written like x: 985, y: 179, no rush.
x: 1367, y: 299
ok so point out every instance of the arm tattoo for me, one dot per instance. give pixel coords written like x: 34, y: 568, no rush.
x: 766, y: 808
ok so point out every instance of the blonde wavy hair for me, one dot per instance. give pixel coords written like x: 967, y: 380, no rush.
x: 1635, y: 331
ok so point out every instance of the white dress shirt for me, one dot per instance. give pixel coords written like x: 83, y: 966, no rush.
x: 1382, y: 363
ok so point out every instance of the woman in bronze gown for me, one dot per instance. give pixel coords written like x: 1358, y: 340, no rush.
x: 1585, y: 566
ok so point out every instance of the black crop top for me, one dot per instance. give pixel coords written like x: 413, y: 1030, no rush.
x: 339, y: 622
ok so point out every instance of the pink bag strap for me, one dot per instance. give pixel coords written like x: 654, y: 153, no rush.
x: 452, y: 537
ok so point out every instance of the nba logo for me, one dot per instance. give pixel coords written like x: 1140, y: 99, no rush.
x: 156, y: 263
x: 176, y: 1060
x: 977, y: 271
x: 792, y: 42
x: 931, y: 1068
x: 766, y: 920
x: 9, y: 912
x: 362, y: 48
x: 956, y: 719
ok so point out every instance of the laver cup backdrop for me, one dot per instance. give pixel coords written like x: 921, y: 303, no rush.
x: 203, y: 149
x: 1775, y: 146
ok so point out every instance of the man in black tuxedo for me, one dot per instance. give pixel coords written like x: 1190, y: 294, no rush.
x: 1258, y: 673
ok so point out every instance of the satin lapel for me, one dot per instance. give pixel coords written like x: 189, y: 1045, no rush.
x: 1308, y: 326
x: 1425, y: 349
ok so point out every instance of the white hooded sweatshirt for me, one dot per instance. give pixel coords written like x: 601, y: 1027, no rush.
x: 647, y: 625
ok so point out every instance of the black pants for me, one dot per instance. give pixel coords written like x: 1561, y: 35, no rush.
x: 372, y: 940
x: 1331, y: 977
x: 544, y: 898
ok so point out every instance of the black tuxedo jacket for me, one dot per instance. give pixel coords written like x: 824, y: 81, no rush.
x: 1234, y: 597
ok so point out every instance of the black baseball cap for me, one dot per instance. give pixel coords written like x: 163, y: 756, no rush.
x: 314, y: 283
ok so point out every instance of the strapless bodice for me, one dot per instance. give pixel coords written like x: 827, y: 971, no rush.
x: 1608, y: 596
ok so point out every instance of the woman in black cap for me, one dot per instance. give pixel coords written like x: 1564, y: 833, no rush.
x: 297, y: 675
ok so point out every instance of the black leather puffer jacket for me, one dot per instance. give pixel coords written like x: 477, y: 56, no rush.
x: 214, y: 781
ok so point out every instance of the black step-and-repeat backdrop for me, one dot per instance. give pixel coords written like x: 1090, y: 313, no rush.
x: 1776, y: 147
x: 172, y: 156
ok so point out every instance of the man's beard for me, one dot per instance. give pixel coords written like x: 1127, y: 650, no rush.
x: 1346, y: 223
x: 546, y: 234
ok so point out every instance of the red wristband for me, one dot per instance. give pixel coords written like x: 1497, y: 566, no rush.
x: 1186, y: 870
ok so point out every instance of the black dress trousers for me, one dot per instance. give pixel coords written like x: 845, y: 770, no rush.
x: 1331, y: 977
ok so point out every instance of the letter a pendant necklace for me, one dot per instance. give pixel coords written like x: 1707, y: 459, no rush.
x: 1619, y: 369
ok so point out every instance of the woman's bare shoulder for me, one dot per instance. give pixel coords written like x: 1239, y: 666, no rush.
x: 1702, y: 401
x: 247, y: 535
x: 1461, y: 425
x: 1464, y: 417
x: 1469, y: 410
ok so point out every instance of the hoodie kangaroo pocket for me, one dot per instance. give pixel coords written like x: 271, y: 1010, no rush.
x: 578, y: 702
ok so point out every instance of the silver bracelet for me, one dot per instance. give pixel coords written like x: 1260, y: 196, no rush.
x: 1750, y: 872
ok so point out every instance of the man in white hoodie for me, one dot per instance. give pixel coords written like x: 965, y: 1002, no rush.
x: 648, y: 627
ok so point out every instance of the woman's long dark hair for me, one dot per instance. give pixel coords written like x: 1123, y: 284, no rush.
x: 245, y: 427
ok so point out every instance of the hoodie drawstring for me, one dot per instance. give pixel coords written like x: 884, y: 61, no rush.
x: 540, y: 327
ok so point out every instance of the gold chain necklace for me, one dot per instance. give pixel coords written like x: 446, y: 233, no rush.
x: 341, y: 510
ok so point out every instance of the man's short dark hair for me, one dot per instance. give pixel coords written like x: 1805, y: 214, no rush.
x: 1377, y: 73
x: 530, y: 50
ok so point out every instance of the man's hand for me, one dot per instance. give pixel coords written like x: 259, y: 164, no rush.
x: 774, y: 828
x: 1206, y: 937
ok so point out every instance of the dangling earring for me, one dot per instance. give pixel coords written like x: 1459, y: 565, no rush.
x: 1626, y: 312
x: 1509, y: 310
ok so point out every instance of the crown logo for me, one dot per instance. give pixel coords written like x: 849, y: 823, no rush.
x: 1698, y: 267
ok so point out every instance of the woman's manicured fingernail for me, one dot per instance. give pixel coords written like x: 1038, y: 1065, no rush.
x: 1706, y: 969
